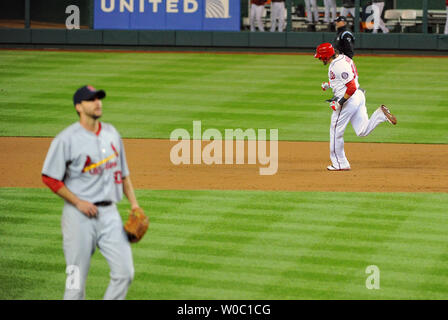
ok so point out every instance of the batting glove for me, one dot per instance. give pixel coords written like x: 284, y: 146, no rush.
x: 335, y: 105
x: 325, y: 86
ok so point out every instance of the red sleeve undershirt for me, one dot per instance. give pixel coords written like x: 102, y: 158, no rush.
x: 351, y: 87
x: 53, y: 184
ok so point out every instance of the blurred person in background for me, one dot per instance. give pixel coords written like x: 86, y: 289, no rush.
x: 330, y: 7
x: 277, y: 15
x: 311, y: 10
x: 256, y: 13
x: 378, y: 6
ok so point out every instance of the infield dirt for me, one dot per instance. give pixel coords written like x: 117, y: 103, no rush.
x: 301, y: 167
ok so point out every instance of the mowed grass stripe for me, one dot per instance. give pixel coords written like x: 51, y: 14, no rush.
x: 279, y: 287
x: 335, y: 247
x: 225, y: 243
x: 301, y: 278
x: 222, y: 246
x: 199, y: 292
x: 413, y: 233
x: 150, y: 95
x: 304, y: 254
x: 369, y: 215
x: 406, y: 246
x: 251, y: 214
x: 310, y: 272
x: 307, y: 262
x: 359, y: 222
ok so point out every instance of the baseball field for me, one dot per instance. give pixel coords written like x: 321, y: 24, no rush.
x: 224, y: 231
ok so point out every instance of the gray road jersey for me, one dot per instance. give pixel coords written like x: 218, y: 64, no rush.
x: 91, y: 166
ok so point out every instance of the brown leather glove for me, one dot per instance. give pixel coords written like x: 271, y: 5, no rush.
x: 136, y: 225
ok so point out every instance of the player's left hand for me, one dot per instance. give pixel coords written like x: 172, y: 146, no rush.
x: 335, y: 105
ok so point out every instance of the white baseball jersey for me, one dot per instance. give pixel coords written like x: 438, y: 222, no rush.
x: 90, y: 165
x: 341, y: 71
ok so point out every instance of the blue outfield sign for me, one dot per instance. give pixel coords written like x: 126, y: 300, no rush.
x: 167, y: 14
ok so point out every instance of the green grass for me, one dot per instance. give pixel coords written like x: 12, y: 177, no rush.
x: 151, y: 94
x: 243, y: 245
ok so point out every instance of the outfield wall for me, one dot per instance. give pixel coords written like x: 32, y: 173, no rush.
x: 287, y: 40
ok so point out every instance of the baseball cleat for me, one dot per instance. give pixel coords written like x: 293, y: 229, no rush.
x: 331, y: 168
x: 389, y: 116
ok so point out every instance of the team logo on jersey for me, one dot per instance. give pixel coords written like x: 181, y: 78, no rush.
x: 87, y: 163
x: 95, y: 168
x: 115, y: 150
x: 217, y: 9
x: 344, y: 75
x: 332, y: 75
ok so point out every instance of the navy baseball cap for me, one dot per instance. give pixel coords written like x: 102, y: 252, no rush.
x: 341, y: 18
x: 87, y: 93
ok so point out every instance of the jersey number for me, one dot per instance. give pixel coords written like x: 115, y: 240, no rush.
x: 117, y: 177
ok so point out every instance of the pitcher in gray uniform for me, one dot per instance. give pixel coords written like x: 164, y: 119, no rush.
x: 86, y: 166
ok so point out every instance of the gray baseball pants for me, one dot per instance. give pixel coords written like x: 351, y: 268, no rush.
x: 81, y: 236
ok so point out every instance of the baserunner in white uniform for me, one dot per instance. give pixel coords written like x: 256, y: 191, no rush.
x: 348, y: 104
x: 86, y: 166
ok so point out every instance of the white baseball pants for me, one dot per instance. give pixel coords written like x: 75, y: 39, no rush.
x: 354, y: 111
x: 346, y: 11
x: 330, y: 7
x: 256, y: 13
x: 311, y: 9
x: 277, y: 16
x: 81, y: 236
x: 377, y: 8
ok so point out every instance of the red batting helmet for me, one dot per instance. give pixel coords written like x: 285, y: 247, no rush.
x: 324, y: 51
